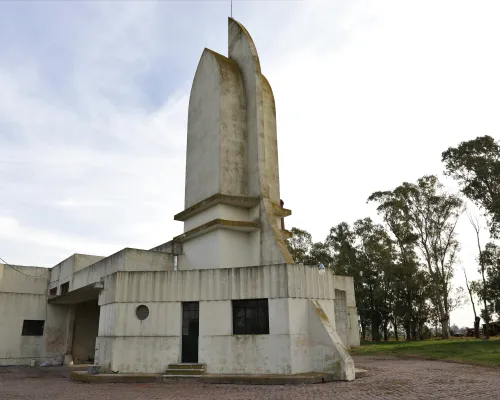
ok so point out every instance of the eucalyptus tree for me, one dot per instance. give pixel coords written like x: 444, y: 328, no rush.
x: 475, y: 165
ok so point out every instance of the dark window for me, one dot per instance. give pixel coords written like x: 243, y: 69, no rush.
x: 32, y: 327
x: 250, y: 317
x: 190, y: 317
x: 65, y: 288
x: 53, y: 291
x: 142, y: 312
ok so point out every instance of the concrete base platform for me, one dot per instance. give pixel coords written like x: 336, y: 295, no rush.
x: 83, y: 376
x: 268, y: 379
x: 166, y: 378
x: 271, y: 379
x: 77, y: 367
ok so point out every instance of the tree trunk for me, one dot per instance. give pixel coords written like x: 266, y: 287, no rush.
x: 408, y: 331
x: 445, y: 326
x: 475, y: 225
x: 386, y: 335
x: 477, y: 320
x: 446, y: 311
x: 486, y: 322
x: 394, y: 324
x: 375, y: 328
x: 363, y: 331
x: 421, y: 331
x: 413, y: 331
x: 486, y: 313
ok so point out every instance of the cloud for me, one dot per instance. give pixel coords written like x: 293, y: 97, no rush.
x: 87, y: 166
x: 94, y: 97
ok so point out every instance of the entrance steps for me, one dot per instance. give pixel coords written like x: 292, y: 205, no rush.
x: 184, y: 370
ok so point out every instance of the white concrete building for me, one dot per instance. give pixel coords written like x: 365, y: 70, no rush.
x: 226, y: 293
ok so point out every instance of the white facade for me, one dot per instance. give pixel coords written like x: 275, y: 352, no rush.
x: 21, y: 298
x: 226, y: 292
x: 310, y: 324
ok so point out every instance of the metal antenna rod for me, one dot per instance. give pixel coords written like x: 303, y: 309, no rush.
x: 231, y: 8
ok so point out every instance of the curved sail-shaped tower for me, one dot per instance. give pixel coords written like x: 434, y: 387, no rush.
x: 232, y: 213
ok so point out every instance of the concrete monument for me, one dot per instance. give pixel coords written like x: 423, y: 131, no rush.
x: 225, y: 295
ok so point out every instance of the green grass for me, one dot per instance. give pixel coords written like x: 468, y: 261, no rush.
x: 465, y: 350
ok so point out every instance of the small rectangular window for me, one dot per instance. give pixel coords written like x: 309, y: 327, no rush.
x: 65, y: 288
x: 250, y: 317
x: 33, y: 327
x: 53, y: 291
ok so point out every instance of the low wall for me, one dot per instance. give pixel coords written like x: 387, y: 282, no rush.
x: 22, y: 297
x: 14, y: 309
x: 127, y: 344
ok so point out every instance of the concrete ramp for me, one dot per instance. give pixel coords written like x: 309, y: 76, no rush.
x: 328, y: 352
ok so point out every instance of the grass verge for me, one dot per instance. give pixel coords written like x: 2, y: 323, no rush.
x: 467, y: 351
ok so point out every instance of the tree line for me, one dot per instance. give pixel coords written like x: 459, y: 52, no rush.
x: 403, y: 265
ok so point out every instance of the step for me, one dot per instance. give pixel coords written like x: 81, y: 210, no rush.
x: 184, y: 372
x: 173, y: 377
x: 187, y: 366
x: 361, y: 373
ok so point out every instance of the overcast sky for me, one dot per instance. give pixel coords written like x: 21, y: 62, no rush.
x: 94, y: 101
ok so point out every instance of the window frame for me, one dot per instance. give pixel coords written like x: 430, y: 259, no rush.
x: 33, y: 330
x: 255, y: 316
x: 64, y: 288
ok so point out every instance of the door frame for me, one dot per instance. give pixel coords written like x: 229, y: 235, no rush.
x: 190, y: 354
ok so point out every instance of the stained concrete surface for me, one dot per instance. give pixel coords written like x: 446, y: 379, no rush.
x: 85, y: 331
x: 388, y: 378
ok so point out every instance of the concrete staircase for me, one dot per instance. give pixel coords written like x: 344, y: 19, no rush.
x: 184, y: 370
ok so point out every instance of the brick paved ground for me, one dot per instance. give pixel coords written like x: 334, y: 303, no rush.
x: 388, y: 378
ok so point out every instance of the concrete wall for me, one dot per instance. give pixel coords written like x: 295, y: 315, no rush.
x: 31, y: 280
x: 169, y: 247
x: 217, y: 249
x: 58, y: 335
x: 120, y: 320
x: 137, y: 354
x: 328, y: 353
x: 341, y: 317
x: 201, y: 251
x: 261, y: 142
x: 271, y: 141
x: 125, y: 260
x: 25, y: 297
x: 216, y: 156
x: 346, y: 284
x: 22, y: 298
x: 298, y: 341
x: 203, y: 138
x: 233, y: 150
x: 271, y: 281
x: 86, y: 327
x: 222, y: 211
x: 137, y: 277
x: 224, y: 352
x: 14, y: 308
x: 63, y: 272
x: 127, y: 344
